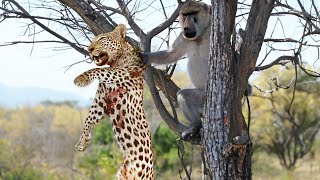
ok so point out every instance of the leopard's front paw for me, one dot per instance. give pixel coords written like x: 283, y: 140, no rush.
x: 82, y: 80
x: 83, y: 143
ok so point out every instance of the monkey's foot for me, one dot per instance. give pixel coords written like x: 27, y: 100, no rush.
x: 241, y: 140
x: 193, y: 130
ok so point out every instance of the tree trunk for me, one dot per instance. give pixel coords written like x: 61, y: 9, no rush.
x: 226, y: 145
x: 224, y: 124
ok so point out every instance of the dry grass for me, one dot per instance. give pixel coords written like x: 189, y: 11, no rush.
x: 267, y: 167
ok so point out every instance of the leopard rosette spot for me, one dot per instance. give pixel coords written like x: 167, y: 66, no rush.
x: 119, y: 96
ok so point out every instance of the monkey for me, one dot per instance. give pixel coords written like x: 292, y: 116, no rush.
x: 194, y: 42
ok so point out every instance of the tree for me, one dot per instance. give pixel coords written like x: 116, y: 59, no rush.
x: 290, y: 135
x: 33, y: 143
x: 228, y: 156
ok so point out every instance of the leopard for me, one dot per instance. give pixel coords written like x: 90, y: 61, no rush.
x: 120, y: 96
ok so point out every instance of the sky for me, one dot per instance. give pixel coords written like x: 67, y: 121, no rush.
x: 40, y: 66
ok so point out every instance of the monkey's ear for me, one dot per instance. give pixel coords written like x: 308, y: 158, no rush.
x: 121, y: 30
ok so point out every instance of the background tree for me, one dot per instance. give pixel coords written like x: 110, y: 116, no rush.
x: 81, y: 20
x: 33, y: 143
x: 288, y: 134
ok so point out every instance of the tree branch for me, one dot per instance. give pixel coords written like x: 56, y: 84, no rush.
x: 166, y: 23
x: 255, y: 30
x: 285, y: 60
x: 77, y: 48
x: 95, y: 20
x: 125, y: 11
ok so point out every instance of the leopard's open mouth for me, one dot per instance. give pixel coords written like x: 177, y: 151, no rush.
x: 101, y: 59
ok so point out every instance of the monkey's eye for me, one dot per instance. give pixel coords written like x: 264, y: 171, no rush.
x: 190, y: 13
x: 195, y: 20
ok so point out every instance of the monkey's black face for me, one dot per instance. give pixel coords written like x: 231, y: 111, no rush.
x: 189, y: 23
x: 189, y: 33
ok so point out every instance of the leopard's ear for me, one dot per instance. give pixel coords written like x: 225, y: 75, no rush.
x: 121, y: 30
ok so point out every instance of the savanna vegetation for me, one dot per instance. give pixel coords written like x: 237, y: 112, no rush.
x: 284, y: 121
x: 37, y: 142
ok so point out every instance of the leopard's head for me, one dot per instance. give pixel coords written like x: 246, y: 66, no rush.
x: 106, y: 48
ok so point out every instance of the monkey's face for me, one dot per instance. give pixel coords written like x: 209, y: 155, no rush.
x: 188, y: 25
x: 194, y: 19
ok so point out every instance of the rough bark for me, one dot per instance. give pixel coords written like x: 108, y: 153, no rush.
x: 216, y: 124
x: 226, y: 145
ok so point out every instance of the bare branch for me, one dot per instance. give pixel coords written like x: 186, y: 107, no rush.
x: 282, y: 60
x: 255, y: 31
x: 127, y: 14
x: 106, y: 8
x: 92, y: 18
x: 29, y: 42
x: 165, y: 24
x: 79, y: 49
x: 163, y: 81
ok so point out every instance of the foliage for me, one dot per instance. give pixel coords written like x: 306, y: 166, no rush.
x: 289, y: 117
x: 99, y: 163
x: 103, y: 134
x: 33, y: 141
x: 165, y: 148
x: 267, y: 166
x: 14, y: 166
x: 104, y: 157
x: 37, y: 142
x: 74, y: 22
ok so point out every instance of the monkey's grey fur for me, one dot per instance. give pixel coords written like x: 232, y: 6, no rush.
x: 194, y: 42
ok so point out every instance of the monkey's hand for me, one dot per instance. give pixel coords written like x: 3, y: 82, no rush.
x: 144, y: 57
